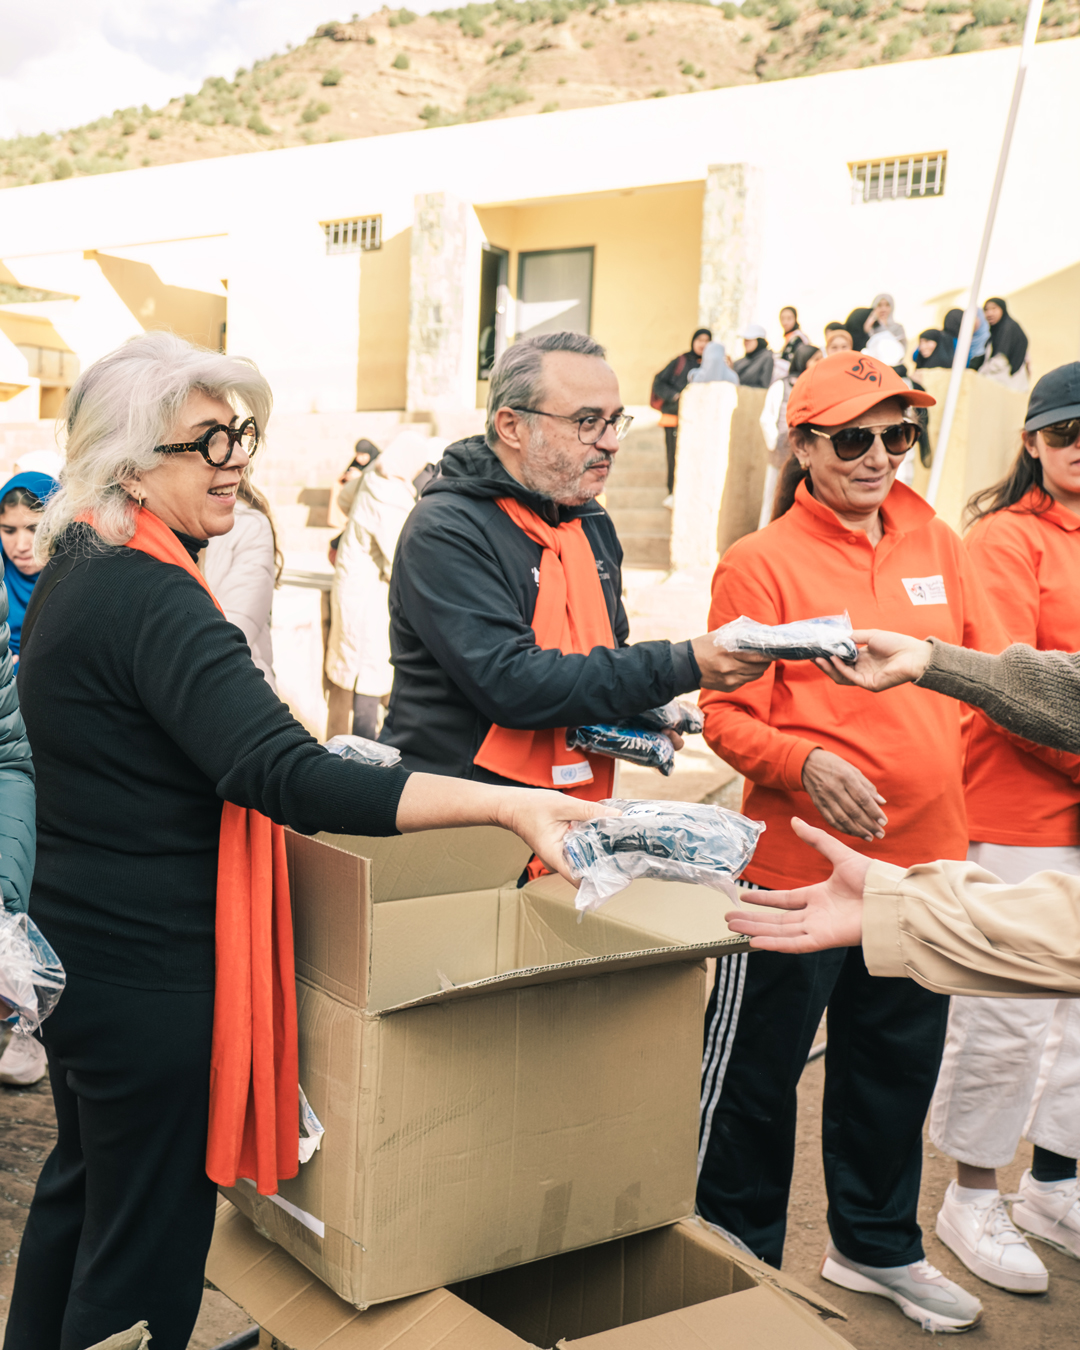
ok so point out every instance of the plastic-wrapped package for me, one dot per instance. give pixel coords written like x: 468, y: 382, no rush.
x: 364, y: 751
x: 671, y: 841
x: 685, y: 718
x: 651, y: 748
x: 829, y: 635
x: 31, y: 976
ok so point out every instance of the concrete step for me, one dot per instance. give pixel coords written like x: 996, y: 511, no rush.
x: 633, y: 522
x: 649, y: 475
x: 623, y: 498
x: 646, y: 550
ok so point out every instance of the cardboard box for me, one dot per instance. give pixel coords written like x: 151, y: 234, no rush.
x: 497, y: 1081
x: 678, y: 1286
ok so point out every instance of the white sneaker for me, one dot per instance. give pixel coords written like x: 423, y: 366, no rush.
x: 983, y: 1236
x: 919, y: 1290
x: 23, y: 1062
x: 669, y: 501
x: 1053, y: 1216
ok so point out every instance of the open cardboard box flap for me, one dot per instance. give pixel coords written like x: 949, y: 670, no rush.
x: 366, y: 908
x: 615, y: 1285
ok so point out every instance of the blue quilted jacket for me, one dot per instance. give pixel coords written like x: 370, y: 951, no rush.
x: 18, y: 832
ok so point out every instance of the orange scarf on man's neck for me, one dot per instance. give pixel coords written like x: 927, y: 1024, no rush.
x: 571, y: 616
x: 254, y: 1071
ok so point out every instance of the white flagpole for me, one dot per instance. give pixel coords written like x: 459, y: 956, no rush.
x: 967, y: 326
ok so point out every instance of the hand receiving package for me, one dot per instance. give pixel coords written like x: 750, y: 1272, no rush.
x: 31, y: 976
x: 651, y: 748
x: 363, y: 751
x: 799, y: 641
x: 671, y: 841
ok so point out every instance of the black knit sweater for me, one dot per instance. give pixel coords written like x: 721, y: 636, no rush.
x: 145, y: 712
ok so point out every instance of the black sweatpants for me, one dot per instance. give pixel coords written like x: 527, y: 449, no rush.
x: 122, y: 1217
x: 885, y: 1038
x: 671, y: 436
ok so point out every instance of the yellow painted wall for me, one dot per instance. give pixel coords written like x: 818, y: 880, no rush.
x: 1049, y: 312
x: 384, y: 324
x: 646, y: 268
x: 191, y: 314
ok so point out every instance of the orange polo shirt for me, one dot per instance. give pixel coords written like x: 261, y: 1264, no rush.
x: 1017, y: 792
x: 907, y: 741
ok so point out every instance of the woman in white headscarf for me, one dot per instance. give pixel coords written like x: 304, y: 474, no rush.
x: 358, y: 652
x: 881, y: 318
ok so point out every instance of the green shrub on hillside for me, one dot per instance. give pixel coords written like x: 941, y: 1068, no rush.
x: 332, y: 77
x: 898, y: 45
x: 968, y: 40
x: 400, y: 62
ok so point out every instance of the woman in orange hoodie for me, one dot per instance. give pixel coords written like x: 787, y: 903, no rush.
x: 1012, y: 1066
x: 845, y: 536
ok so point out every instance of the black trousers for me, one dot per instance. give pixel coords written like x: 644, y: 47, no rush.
x: 122, y: 1217
x: 671, y: 435
x: 885, y: 1038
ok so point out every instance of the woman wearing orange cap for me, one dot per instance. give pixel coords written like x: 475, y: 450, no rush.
x: 845, y: 535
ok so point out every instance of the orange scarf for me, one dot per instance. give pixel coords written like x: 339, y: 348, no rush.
x: 571, y: 615
x: 254, y: 1069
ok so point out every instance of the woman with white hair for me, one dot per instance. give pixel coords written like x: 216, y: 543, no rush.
x: 358, y: 651
x: 166, y: 770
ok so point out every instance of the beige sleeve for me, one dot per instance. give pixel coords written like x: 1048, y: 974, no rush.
x: 956, y: 929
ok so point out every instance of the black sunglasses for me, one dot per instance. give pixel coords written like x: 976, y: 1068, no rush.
x: 217, y: 444
x: 1060, y: 434
x: 854, y: 442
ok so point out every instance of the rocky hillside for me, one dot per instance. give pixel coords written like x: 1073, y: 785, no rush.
x: 397, y: 71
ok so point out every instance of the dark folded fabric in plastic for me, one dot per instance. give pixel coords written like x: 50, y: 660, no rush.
x: 672, y: 841
x: 363, y: 751
x: 651, y: 748
x: 685, y: 718
x: 802, y: 640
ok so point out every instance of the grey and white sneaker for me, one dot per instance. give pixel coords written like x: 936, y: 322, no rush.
x: 919, y: 1290
x: 22, y: 1061
x: 1051, y: 1214
x: 983, y: 1236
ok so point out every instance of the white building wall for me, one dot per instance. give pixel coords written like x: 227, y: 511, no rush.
x: 295, y: 311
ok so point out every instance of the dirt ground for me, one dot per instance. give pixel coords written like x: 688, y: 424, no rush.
x: 1040, y: 1322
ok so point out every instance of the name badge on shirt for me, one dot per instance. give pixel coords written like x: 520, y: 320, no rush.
x: 925, y: 590
x: 566, y: 775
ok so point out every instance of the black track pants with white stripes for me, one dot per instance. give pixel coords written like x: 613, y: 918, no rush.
x: 885, y: 1039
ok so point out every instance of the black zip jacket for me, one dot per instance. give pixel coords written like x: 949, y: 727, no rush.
x: 462, y: 595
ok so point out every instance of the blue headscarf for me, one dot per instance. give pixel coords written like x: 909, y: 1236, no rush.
x: 19, y: 586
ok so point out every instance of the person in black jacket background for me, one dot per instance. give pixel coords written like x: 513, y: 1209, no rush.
x: 465, y: 578
x: 666, y: 388
x: 755, y: 369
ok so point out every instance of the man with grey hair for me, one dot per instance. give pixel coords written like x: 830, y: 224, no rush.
x: 506, y: 618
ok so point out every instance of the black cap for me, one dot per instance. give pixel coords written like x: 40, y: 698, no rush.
x: 1055, y: 398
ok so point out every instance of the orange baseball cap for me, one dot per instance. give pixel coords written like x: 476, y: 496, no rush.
x: 842, y: 386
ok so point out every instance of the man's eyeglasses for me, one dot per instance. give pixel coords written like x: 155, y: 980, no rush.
x: 216, y: 445
x: 1060, y: 434
x: 591, y: 427
x: 854, y: 442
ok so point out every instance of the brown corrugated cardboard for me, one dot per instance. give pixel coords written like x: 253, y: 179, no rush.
x: 677, y: 1288
x: 498, y: 1081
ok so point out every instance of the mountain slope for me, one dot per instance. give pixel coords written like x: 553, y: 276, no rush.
x: 396, y: 71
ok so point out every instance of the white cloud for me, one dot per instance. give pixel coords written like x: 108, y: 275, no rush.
x: 76, y: 60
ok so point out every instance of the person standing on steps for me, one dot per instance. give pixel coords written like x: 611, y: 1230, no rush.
x: 794, y: 336
x: 756, y: 367
x: 1011, y: 1067
x: 666, y: 390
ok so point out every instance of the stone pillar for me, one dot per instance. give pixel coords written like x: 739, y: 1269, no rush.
x: 730, y: 251
x: 701, y: 466
x: 444, y: 305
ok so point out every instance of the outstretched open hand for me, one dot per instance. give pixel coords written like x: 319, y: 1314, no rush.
x: 828, y: 914
x: 885, y: 660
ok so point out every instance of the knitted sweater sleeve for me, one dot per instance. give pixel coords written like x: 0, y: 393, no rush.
x: 1030, y: 693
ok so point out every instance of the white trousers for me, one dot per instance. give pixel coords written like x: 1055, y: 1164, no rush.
x: 1011, y: 1067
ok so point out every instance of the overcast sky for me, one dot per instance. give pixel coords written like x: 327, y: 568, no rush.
x: 65, y: 62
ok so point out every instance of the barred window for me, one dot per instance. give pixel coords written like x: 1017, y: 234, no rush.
x: 351, y: 236
x: 883, y: 180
